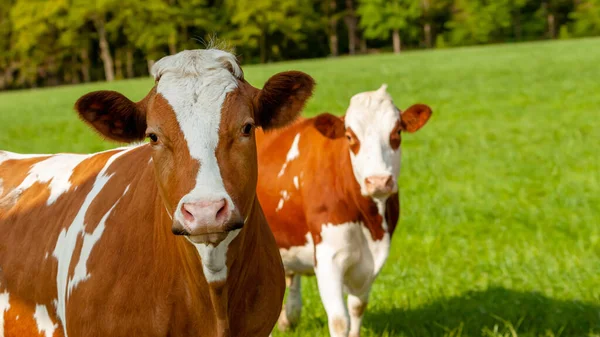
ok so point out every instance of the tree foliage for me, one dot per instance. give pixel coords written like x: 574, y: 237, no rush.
x: 51, y: 42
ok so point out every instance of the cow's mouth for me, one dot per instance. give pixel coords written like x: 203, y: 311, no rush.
x: 207, y: 234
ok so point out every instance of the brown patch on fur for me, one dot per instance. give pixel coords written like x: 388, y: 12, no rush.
x: 329, y: 125
x: 340, y: 326
x: 395, y: 136
x: 19, y: 320
x: 358, y: 310
x: 353, y: 141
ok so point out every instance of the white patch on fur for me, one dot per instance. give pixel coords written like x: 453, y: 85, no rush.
x: 4, y: 307
x: 57, y: 170
x: 81, y: 273
x: 285, y: 196
x: 5, y: 155
x: 372, y: 116
x: 299, y: 259
x: 43, y: 321
x: 67, y: 240
x: 292, y: 154
x: 214, y: 259
x: 296, y: 184
x: 195, y: 83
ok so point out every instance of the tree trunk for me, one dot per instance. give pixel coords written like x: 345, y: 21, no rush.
x: 173, y: 43
x: 333, y: 37
x: 150, y: 65
x: 427, y: 32
x: 119, y: 64
x: 363, y: 45
x: 109, y: 71
x: 351, y: 20
x: 551, y: 26
x: 129, y: 63
x: 263, y: 48
x: 518, y: 27
x: 85, y: 64
x: 73, y: 69
x: 397, y: 42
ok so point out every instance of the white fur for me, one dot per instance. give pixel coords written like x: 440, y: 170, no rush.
x: 43, y: 321
x: 67, y: 240
x: 195, y: 83
x: 57, y: 170
x: 214, y: 259
x: 299, y: 259
x: 296, y: 184
x: 81, y: 273
x: 285, y: 196
x: 292, y: 154
x: 372, y: 116
x: 348, y: 261
x: 4, y: 307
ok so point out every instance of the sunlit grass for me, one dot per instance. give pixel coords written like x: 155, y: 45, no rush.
x: 500, y: 226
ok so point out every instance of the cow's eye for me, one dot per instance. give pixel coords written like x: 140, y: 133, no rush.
x: 153, y: 137
x: 399, y: 132
x: 247, y: 129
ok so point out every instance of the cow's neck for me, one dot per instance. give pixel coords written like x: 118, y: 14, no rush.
x: 221, y: 294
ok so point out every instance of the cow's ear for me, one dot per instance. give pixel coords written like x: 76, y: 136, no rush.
x: 113, y: 115
x: 330, y: 126
x: 413, y: 118
x: 282, y: 99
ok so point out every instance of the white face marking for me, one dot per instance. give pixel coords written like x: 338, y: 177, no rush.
x: 299, y: 259
x: 4, y: 306
x: 372, y: 116
x: 292, y: 154
x: 67, y: 239
x: 296, y: 184
x: 57, y: 170
x: 285, y: 196
x: 43, y: 321
x: 195, y: 83
x: 214, y: 259
x: 80, y: 273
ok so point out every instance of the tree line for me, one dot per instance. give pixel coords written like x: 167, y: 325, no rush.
x: 52, y: 42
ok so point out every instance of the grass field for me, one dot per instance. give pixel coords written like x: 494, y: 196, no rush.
x: 500, y: 226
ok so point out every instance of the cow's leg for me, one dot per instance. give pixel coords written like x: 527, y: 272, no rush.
x: 357, y: 306
x: 330, y: 280
x: 290, y: 314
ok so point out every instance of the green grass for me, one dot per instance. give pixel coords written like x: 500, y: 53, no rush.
x: 500, y: 226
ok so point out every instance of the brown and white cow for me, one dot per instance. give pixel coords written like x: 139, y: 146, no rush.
x: 87, y: 244
x: 329, y: 188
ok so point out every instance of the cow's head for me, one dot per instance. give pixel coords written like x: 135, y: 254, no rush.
x: 200, y: 119
x: 373, y: 126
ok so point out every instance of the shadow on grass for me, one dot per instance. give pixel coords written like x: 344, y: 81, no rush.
x: 494, y: 312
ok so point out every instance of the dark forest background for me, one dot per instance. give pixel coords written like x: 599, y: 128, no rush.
x: 53, y: 42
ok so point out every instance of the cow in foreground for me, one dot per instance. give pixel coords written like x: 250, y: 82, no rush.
x: 166, y: 238
x: 329, y: 188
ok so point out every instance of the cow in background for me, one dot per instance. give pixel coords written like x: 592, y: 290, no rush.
x: 163, y: 239
x: 329, y: 188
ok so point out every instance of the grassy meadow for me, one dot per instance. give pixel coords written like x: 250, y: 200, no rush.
x: 500, y: 226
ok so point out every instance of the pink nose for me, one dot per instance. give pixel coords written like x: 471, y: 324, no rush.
x: 205, y: 217
x: 377, y: 185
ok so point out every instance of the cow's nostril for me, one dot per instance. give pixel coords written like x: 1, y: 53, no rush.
x: 187, y: 215
x: 222, y: 212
